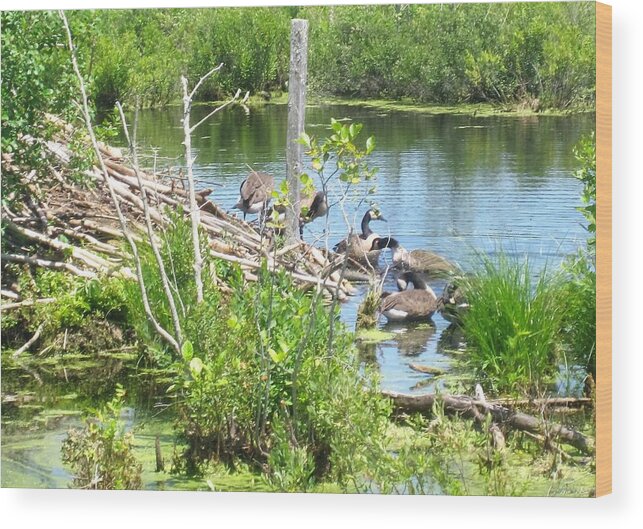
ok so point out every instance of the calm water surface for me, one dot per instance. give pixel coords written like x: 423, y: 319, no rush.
x: 450, y: 184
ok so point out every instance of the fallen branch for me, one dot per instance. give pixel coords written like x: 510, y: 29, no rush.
x: 30, y: 342
x: 9, y: 294
x: 472, y: 408
x: 26, y: 303
x: 44, y: 263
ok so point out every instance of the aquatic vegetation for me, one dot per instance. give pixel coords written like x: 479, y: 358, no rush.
x: 100, y: 455
x: 513, y: 324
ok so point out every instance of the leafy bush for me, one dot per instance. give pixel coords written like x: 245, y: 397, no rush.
x: 580, y: 322
x: 585, y: 153
x: 79, y: 303
x: 580, y: 318
x: 513, y: 324
x: 538, y: 55
x: 261, y: 366
x: 101, y: 455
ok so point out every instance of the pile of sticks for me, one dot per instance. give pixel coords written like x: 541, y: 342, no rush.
x: 61, y: 224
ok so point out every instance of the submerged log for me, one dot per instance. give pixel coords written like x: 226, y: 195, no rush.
x: 471, y: 408
x: 429, y: 370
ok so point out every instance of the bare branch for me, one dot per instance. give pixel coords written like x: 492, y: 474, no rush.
x: 150, y: 228
x: 203, y: 79
x: 236, y: 96
x: 30, y: 342
x: 139, y: 272
x: 194, y: 209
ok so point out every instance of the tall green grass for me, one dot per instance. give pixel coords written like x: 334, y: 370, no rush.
x: 513, y: 324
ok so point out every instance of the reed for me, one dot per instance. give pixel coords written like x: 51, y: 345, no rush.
x: 513, y: 324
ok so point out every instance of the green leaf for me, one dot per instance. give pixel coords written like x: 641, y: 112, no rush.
x: 187, y: 350
x: 370, y: 144
x: 305, y: 179
x: 196, y: 366
x: 304, y: 139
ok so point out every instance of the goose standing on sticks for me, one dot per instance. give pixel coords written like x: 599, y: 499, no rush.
x: 311, y: 206
x: 255, y: 193
x: 419, y: 303
x: 360, y: 246
x: 415, y: 260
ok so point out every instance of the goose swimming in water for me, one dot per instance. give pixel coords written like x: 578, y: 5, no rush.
x: 415, y: 260
x: 420, y: 303
x: 359, y: 246
x: 255, y: 193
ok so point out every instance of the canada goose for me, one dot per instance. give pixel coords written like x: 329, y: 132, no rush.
x: 415, y: 260
x: 255, y: 193
x: 454, y: 304
x: 359, y: 246
x: 311, y: 207
x: 417, y: 304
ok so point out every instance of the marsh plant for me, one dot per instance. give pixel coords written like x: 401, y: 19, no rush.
x: 513, y: 324
x: 262, y: 380
x: 101, y: 454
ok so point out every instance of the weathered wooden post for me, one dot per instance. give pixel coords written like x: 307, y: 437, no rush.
x: 296, y: 113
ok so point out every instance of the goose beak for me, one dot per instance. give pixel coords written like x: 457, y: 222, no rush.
x: 382, y: 218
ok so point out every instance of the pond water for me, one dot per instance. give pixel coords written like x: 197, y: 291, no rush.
x: 453, y: 184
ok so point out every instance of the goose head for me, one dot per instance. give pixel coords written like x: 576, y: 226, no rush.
x: 371, y: 214
x: 414, y: 278
x: 400, y: 254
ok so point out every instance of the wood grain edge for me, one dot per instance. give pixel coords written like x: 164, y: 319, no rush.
x: 603, y: 249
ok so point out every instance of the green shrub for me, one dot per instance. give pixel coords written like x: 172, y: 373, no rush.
x: 261, y: 365
x: 101, y: 455
x: 513, y: 324
x: 585, y: 153
x: 78, y: 304
x: 580, y: 318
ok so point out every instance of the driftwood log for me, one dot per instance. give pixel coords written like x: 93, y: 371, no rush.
x: 469, y: 407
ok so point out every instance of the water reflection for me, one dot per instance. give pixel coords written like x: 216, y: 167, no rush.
x: 411, y: 339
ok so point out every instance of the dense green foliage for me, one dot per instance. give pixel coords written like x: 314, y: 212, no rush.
x: 541, y: 55
x: 82, y: 309
x: 581, y: 268
x: 101, y: 454
x: 580, y: 315
x: 261, y: 380
x: 36, y: 78
x: 501, y: 53
x: 585, y: 153
x: 513, y: 325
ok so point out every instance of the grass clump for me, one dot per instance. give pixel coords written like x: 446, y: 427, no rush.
x: 513, y: 325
